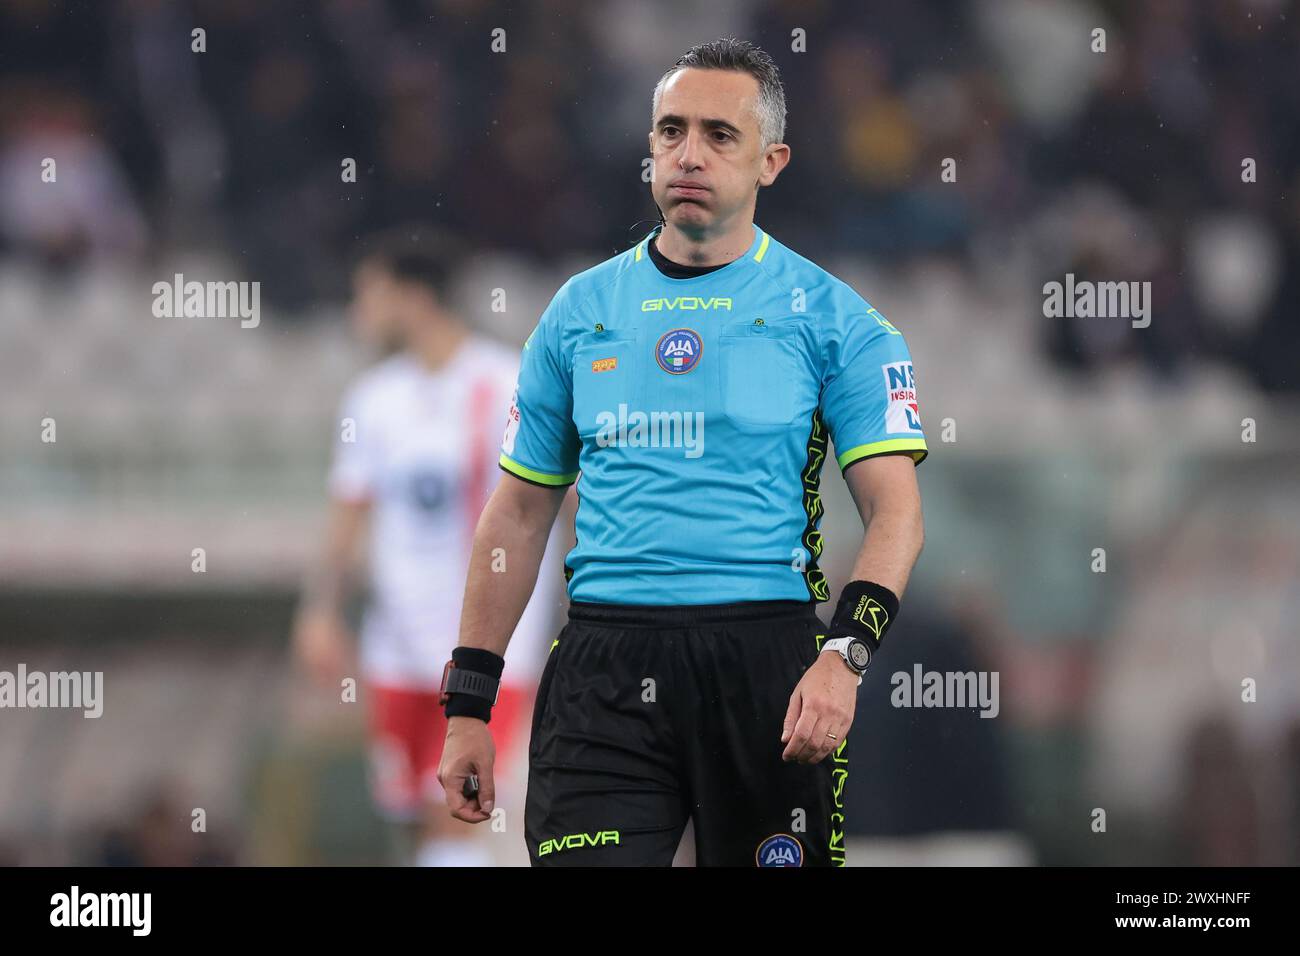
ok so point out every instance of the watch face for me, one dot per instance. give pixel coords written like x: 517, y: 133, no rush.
x: 859, y: 655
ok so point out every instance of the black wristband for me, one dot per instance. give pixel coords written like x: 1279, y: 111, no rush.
x: 866, y: 610
x: 482, y: 664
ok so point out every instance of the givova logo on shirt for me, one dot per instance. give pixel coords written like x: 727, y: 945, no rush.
x: 901, y: 412
x: 686, y: 302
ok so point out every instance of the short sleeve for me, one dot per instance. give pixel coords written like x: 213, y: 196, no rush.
x: 540, y: 443
x: 354, y: 468
x: 869, y: 397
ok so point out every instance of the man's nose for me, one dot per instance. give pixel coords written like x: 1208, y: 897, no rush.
x: 689, y: 157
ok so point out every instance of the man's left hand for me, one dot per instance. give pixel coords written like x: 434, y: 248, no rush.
x: 821, y: 710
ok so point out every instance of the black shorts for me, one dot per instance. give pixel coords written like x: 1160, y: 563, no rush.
x: 649, y: 716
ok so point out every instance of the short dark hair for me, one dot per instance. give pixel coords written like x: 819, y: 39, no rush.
x: 418, y: 253
x: 729, y: 53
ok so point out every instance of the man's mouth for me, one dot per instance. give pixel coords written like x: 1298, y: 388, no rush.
x: 688, y: 190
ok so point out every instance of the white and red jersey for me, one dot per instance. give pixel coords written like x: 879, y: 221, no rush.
x: 422, y: 447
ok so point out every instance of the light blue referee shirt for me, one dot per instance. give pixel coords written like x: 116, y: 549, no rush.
x: 697, y: 412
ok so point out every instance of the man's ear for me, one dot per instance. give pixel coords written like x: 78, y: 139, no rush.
x: 777, y: 159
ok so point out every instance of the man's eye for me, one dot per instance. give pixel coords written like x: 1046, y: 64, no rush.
x: 721, y: 136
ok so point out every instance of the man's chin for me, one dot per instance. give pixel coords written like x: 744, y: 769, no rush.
x: 689, y: 212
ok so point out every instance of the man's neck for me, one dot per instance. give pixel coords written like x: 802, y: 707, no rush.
x: 706, y: 249
x: 435, y: 347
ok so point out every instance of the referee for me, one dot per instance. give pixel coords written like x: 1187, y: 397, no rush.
x: 694, y: 382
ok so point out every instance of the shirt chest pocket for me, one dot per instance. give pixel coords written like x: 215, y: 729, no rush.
x: 759, y: 375
x: 603, y: 379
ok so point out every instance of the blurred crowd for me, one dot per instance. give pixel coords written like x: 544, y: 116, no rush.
x: 1173, y: 157
x: 523, y: 127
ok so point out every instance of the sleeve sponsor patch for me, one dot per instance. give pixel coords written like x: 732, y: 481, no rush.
x: 512, y: 425
x: 901, y: 412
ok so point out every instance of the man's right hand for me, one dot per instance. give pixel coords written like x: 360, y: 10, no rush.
x: 469, y: 750
x: 321, y: 645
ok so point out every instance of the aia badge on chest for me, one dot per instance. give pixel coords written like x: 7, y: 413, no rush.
x: 679, y: 351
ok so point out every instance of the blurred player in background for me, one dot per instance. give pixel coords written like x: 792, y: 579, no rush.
x: 414, y: 462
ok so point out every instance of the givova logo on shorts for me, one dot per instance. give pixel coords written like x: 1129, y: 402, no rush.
x: 576, y: 841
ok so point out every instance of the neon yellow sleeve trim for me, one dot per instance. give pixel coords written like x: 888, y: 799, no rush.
x: 915, y: 445
x: 512, y: 466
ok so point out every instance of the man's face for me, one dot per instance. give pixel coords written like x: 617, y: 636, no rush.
x: 376, y: 299
x: 707, y: 149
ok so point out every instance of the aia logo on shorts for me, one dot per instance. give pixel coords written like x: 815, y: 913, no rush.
x: 780, y: 849
x: 679, y: 351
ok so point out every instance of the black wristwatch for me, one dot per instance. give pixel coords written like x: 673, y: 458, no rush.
x: 457, y: 680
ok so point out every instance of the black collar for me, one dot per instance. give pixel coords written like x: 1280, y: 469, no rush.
x: 675, y: 270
